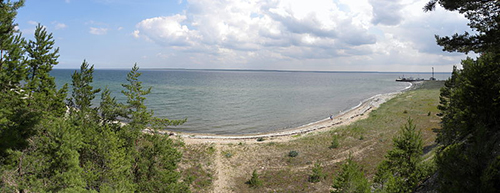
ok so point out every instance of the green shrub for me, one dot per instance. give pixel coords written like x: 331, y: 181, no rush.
x: 211, y: 149
x: 260, y: 139
x: 317, y: 174
x: 293, y: 153
x: 335, y: 142
x: 350, y: 178
x: 254, y: 181
x: 227, y: 154
x: 402, y: 170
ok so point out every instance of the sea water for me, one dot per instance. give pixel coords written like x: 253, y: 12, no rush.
x: 244, y: 102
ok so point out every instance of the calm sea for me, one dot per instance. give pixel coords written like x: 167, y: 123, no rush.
x: 243, y: 102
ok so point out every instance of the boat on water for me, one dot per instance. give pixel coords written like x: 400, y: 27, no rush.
x: 410, y: 79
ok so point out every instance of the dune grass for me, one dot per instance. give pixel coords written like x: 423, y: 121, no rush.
x: 197, y: 166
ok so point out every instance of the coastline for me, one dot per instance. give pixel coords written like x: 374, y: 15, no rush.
x: 358, y: 112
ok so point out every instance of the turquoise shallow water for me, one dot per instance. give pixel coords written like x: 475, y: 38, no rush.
x: 243, y: 102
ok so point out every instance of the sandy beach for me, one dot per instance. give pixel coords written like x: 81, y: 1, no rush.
x: 345, y: 118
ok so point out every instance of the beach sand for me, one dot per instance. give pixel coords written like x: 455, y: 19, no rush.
x: 359, y: 112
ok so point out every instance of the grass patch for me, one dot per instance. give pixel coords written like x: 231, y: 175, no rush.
x: 197, y: 166
x: 227, y: 154
x: 335, y: 142
x: 198, y: 177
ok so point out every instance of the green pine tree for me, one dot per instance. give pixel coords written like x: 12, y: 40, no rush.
x: 83, y: 93
x: 155, y: 157
x: 60, y: 142
x: 351, y: 179
x: 114, y: 164
x: 402, y: 169
x: 110, y: 109
x: 12, y: 68
x: 317, y: 173
x: 467, y: 157
x: 469, y: 133
x: 49, y: 163
x: 254, y: 181
x: 43, y: 94
x: 44, y: 153
x: 155, y: 169
x: 14, y: 114
x: 483, y: 16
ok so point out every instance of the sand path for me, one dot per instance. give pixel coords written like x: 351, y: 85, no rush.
x: 220, y: 183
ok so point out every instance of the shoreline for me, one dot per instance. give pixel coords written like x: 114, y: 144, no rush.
x: 358, y: 112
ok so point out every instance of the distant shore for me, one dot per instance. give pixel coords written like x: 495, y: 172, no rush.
x: 345, y: 118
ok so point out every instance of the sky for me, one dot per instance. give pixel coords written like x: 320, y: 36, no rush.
x: 311, y: 35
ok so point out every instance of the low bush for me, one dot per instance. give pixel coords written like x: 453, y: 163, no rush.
x: 335, y: 142
x: 254, y: 181
x: 293, y: 154
x: 317, y: 174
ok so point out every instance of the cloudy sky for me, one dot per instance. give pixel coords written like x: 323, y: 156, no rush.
x: 329, y: 35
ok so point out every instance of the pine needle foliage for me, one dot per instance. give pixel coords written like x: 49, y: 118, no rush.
x: 49, y: 145
x: 350, y: 179
x: 402, y: 170
x: 254, y: 181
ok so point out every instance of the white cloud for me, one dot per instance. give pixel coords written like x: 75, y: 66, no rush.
x: 98, y: 31
x: 58, y: 25
x: 245, y: 25
x: 325, y: 32
x: 32, y: 22
x: 136, y: 33
x: 167, y: 31
x: 386, y: 12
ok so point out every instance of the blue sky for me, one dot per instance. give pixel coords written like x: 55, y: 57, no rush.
x: 365, y: 35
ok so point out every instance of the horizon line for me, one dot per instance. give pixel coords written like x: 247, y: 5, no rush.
x: 268, y: 70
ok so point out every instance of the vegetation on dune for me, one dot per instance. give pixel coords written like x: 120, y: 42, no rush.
x: 317, y: 173
x: 403, y: 168
x: 351, y: 179
x: 49, y: 145
x: 293, y: 153
x: 254, y: 181
x: 335, y: 142
x: 401, y: 171
x: 281, y: 173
